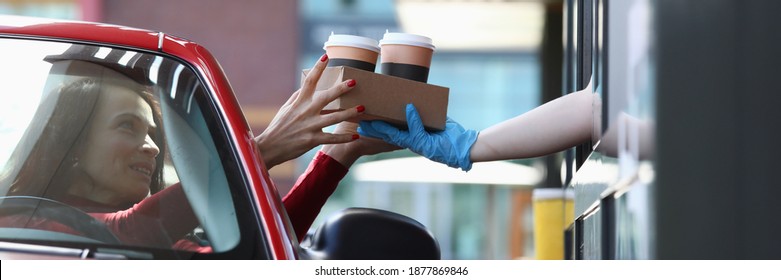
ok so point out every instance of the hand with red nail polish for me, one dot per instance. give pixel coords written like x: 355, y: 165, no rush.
x: 298, y: 126
x: 348, y: 153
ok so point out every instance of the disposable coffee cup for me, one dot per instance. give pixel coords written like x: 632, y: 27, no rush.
x: 353, y: 51
x: 406, y: 56
x: 553, y: 210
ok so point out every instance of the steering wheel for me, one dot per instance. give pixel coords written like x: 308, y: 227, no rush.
x: 51, y: 210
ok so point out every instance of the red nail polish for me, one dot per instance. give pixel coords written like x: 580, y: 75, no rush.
x: 356, y: 136
x: 351, y: 83
x: 324, y: 57
x: 360, y: 108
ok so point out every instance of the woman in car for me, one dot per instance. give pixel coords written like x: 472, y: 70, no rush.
x: 102, y: 151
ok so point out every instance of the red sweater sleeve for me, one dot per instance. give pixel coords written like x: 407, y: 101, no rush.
x: 310, y: 192
x: 159, y: 220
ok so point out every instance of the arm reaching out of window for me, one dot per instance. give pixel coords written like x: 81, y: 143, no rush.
x: 298, y: 126
x: 551, y: 127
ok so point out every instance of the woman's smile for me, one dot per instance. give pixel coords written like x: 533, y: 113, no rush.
x: 144, y: 168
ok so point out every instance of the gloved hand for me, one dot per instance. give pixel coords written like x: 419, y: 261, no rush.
x: 450, y: 146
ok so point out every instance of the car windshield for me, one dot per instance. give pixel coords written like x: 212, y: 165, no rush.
x: 109, y: 146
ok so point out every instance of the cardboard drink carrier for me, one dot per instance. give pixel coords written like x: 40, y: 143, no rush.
x: 386, y: 97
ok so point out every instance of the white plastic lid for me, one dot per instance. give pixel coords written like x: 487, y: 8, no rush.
x: 552, y: 193
x: 352, y: 41
x: 391, y: 38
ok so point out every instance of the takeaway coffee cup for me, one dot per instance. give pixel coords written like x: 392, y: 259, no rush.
x: 354, y: 51
x: 406, y: 56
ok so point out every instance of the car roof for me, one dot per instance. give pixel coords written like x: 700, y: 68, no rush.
x: 82, y: 30
x: 102, y: 33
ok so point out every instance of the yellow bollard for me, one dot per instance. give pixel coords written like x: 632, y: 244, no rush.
x: 553, y: 211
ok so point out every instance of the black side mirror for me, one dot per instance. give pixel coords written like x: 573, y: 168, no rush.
x: 371, y: 234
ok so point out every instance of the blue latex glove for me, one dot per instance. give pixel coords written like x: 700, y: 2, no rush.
x: 450, y: 146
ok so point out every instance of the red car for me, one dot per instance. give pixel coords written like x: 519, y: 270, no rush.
x: 223, y: 204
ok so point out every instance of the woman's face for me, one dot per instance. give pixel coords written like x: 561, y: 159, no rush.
x: 119, y: 154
